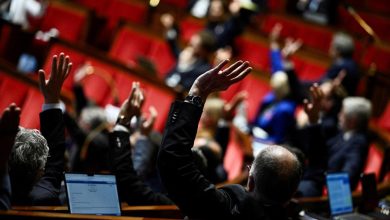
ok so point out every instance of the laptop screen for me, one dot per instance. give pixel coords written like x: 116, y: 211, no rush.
x: 92, y: 194
x: 339, y: 193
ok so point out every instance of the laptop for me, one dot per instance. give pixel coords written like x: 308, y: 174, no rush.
x: 340, y: 198
x: 95, y: 194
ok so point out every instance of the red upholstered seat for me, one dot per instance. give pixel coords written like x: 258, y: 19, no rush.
x: 160, y: 54
x: 190, y: 26
x: 384, y: 119
x: 97, y: 86
x: 12, y: 90
x: 308, y: 70
x: 380, y: 56
x: 182, y: 4
x: 234, y: 158
x: 130, y: 44
x: 312, y: 35
x: 128, y: 10
x: 380, y: 24
x: 257, y: 88
x: 31, y: 109
x: 70, y: 21
x: 256, y: 52
x: 373, y: 163
x: 99, y: 6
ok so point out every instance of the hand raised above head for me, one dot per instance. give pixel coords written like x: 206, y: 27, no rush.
x: 132, y: 106
x: 217, y: 79
x: 51, y: 89
x: 313, y: 108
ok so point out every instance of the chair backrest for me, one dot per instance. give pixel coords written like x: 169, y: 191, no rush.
x: 71, y: 21
x: 130, y: 44
x: 12, y: 90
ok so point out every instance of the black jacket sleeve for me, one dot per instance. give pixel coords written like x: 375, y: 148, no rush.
x: 131, y: 187
x: 187, y: 187
x: 47, y: 189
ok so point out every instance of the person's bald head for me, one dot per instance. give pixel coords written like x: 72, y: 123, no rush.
x: 275, y: 173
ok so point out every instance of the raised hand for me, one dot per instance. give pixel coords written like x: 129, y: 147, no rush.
x: 313, y: 108
x: 9, y: 124
x: 132, y: 106
x: 275, y: 32
x: 291, y: 46
x: 147, y: 124
x: 229, y: 108
x: 217, y: 79
x: 51, y: 89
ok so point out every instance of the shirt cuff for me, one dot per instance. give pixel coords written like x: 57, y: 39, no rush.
x: 119, y: 127
x: 59, y: 105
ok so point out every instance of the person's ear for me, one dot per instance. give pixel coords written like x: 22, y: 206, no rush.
x: 251, y: 184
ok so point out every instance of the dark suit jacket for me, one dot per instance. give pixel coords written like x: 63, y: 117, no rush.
x: 188, y: 188
x: 130, y: 186
x: 341, y: 155
x: 47, y: 189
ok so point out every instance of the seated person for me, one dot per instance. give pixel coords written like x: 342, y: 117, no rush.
x: 275, y: 117
x: 274, y: 175
x: 192, y: 61
x: 131, y: 187
x: 36, y: 162
x: 9, y: 123
x: 341, y: 51
x: 345, y: 152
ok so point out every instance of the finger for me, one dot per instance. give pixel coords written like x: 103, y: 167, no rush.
x: 60, y: 66
x: 305, y: 107
x: 42, y: 80
x: 220, y: 66
x: 53, y: 66
x: 65, y: 68
x: 232, y: 67
x: 238, y: 69
x: 132, y: 93
x: 68, y: 70
x: 153, y: 111
x: 242, y: 75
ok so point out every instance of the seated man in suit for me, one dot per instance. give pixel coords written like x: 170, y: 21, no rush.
x: 344, y: 152
x: 37, y: 161
x: 274, y: 175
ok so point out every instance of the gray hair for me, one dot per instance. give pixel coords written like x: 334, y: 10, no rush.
x: 93, y: 116
x: 276, y: 172
x: 29, y: 154
x: 358, y: 107
x: 343, y: 44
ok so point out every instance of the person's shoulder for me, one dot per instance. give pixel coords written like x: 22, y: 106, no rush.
x: 235, y: 191
x: 286, y: 106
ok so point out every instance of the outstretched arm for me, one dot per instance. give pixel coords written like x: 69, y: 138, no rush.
x: 187, y: 187
x: 46, y: 190
x: 130, y: 185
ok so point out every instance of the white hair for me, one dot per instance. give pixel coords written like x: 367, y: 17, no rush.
x: 358, y: 107
x: 279, y: 84
x: 344, y: 44
x: 93, y: 116
x: 29, y: 153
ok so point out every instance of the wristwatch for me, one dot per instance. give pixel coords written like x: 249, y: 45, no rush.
x: 195, y: 100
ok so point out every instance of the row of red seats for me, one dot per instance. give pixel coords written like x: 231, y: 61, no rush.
x: 130, y: 44
x: 28, y: 98
x: 97, y: 88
